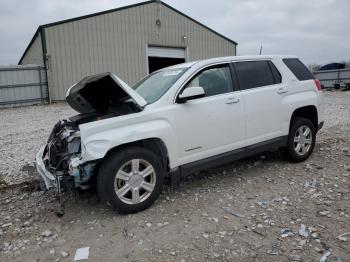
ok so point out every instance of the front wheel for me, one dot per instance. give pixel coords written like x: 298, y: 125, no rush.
x: 130, y: 180
x: 301, y: 140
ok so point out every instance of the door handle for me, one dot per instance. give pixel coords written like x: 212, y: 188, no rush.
x: 282, y: 90
x: 232, y: 100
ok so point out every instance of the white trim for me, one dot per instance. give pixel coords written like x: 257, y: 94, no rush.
x: 187, y: 53
x: 147, y: 66
x: 170, y: 52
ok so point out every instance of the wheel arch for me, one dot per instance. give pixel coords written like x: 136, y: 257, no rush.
x: 156, y: 145
x: 309, y: 112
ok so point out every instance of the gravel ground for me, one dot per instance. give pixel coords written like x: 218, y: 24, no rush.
x: 23, y: 131
x: 212, y: 216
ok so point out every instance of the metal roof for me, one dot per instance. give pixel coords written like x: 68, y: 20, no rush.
x: 115, y: 10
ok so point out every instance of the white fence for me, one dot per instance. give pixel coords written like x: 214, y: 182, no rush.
x: 330, y: 77
x: 22, y: 85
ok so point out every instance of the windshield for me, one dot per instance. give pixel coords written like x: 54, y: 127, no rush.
x: 155, y: 85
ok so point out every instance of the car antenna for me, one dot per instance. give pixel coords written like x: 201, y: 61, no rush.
x: 260, y: 50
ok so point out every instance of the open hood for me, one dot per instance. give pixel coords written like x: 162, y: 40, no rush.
x: 97, y: 93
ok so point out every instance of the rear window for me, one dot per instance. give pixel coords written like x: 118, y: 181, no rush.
x: 254, y: 74
x: 298, y: 68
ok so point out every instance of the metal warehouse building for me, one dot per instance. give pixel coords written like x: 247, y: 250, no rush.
x: 131, y: 41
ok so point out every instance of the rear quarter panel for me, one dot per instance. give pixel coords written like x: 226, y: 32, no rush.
x: 301, y: 93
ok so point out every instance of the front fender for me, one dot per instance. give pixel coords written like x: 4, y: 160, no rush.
x: 96, y: 145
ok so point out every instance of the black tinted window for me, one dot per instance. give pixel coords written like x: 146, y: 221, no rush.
x: 254, y: 74
x: 298, y: 68
x: 276, y: 74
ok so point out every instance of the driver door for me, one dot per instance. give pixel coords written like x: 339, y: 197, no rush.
x: 213, y: 124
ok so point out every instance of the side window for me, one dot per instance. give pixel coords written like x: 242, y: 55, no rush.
x: 298, y: 68
x: 254, y: 74
x: 276, y: 74
x: 214, y: 80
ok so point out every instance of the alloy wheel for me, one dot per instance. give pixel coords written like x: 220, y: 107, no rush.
x: 135, y: 181
x: 302, y: 140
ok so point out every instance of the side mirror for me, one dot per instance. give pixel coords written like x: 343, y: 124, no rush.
x: 191, y: 92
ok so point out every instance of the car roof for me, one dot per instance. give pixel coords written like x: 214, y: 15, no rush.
x: 228, y: 59
x: 182, y: 65
x: 244, y: 58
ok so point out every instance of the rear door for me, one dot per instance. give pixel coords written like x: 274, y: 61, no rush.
x: 262, y: 90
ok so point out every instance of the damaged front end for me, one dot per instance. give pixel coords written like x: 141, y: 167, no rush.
x: 97, y: 97
x: 59, y: 161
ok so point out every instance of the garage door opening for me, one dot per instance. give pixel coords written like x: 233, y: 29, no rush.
x: 155, y: 63
x: 160, y: 57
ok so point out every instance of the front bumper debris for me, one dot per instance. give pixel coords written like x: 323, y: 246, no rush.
x: 320, y: 125
x: 49, y: 178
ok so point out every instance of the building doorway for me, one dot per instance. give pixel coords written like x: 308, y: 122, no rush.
x: 160, y: 57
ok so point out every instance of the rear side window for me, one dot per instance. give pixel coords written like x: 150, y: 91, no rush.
x: 276, y: 73
x: 298, y: 68
x: 254, y: 74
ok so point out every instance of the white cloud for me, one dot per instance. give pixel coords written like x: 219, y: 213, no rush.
x: 315, y: 30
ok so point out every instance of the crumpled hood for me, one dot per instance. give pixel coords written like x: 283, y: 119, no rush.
x: 96, y: 93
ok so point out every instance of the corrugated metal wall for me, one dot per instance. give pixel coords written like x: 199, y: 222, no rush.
x: 22, y: 85
x: 117, y: 42
x: 330, y: 77
x: 35, y: 53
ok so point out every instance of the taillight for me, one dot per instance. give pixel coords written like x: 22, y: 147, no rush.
x: 318, y: 84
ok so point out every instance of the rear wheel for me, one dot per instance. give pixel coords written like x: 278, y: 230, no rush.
x: 130, y: 180
x: 301, y: 140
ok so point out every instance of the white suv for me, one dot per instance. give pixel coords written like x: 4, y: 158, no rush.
x: 179, y: 120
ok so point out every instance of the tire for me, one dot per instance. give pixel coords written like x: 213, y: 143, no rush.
x: 122, y: 172
x: 292, y: 151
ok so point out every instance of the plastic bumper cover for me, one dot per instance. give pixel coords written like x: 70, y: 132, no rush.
x: 46, y: 175
x: 320, y: 125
